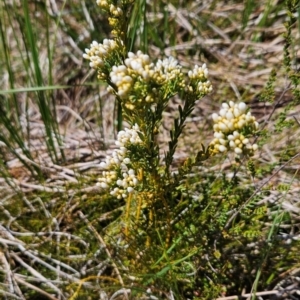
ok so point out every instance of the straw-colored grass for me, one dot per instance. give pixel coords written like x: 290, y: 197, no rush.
x: 58, y: 122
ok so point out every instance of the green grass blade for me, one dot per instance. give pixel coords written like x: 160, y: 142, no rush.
x: 7, y: 60
x: 44, y: 105
x: 138, y: 27
x: 249, y: 7
x: 34, y: 89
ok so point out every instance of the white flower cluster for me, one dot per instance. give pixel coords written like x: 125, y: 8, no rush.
x: 123, y: 81
x: 118, y: 176
x: 204, y: 87
x: 229, y: 123
x: 123, y: 76
x: 115, y: 11
x: 102, y: 3
x: 166, y: 69
x: 200, y: 74
x: 106, y: 5
x: 98, y: 53
x: 139, y: 66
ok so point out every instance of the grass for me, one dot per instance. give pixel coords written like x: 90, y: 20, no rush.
x: 59, y: 232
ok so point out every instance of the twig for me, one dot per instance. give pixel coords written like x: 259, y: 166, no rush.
x: 7, y: 270
x: 7, y: 294
x: 34, y: 255
x: 35, y: 273
x: 249, y: 295
x: 33, y: 287
x: 40, y: 187
x: 120, y: 292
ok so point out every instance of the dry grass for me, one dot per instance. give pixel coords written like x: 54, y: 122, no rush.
x: 240, y: 61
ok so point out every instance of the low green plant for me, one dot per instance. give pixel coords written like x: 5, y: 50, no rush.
x: 167, y: 236
x: 145, y: 226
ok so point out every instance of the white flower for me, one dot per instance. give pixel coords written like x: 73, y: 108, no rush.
x: 121, y: 78
x: 166, y: 69
x: 119, y: 161
x: 103, y: 165
x: 238, y: 150
x: 130, y: 189
x: 215, y: 117
x: 98, y: 53
x: 222, y: 148
x: 228, y: 124
x: 126, y: 161
x: 103, y: 185
x: 131, y: 172
x: 198, y: 72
